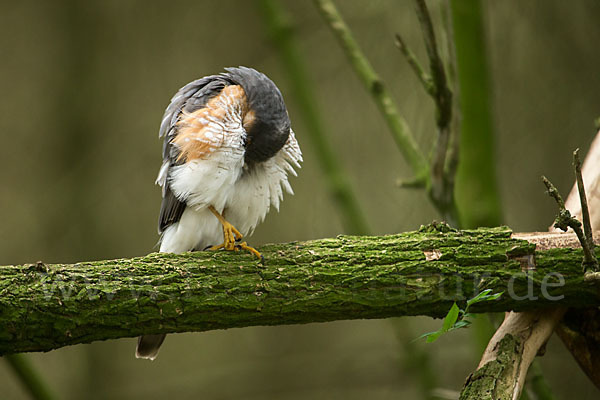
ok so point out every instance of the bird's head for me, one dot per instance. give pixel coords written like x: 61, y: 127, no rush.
x: 266, y: 120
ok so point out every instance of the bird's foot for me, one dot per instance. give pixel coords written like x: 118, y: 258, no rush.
x: 238, y: 247
x: 231, y: 241
x: 244, y: 246
x: 232, y: 237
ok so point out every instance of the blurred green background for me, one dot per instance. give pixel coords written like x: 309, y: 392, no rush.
x: 83, y: 85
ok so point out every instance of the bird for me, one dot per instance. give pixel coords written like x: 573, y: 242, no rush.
x: 228, y: 148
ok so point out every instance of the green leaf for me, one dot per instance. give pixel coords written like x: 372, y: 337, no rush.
x: 451, y: 318
x: 463, y: 323
x: 495, y: 296
x: 452, y: 322
x: 427, y: 335
x: 479, y: 297
x: 434, y: 336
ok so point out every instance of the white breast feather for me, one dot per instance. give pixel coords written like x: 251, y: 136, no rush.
x: 258, y: 189
x: 208, y: 181
x: 221, y: 181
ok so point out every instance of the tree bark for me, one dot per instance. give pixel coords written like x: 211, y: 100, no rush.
x: 44, y: 307
x: 503, y: 368
x: 580, y: 329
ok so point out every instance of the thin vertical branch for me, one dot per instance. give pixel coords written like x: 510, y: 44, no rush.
x: 564, y: 221
x: 477, y: 194
x: 442, y: 188
x: 591, y: 173
x: 443, y: 95
x: 31, y: 380
x: 579, y: 329
x: 585, y: 212
x: 281, y: 33
x: 476, y: 189
x: 419, y: 71
x: 398, y: 127
x: 448, y: 39
x: 454, y: 146
x: 445, y: 149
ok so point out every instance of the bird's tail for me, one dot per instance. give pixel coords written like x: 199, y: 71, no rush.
x: 148, y: 346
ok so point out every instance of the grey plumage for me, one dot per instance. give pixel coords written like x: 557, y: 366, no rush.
x: 189, y: 98
x: 268, y: 133
x: 265, y: 136
x: 271, y: 129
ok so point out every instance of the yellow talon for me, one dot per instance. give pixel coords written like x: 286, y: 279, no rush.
x: 244, y: 246
x: 230, y: 236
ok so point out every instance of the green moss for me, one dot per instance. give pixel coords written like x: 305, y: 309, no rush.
x: 323, y: 280
x: 492, y: 381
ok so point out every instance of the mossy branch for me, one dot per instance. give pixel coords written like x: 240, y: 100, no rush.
x: 503, y: 369
x: 44, y: 307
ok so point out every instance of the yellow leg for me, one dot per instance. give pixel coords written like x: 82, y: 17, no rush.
x: 244, y: 246
x: 231, y: 236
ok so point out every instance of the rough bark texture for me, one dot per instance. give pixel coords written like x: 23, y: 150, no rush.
x: 44, y: 307
x: 580, y: 329
x: 490, y: 382
x: 530, y: 331
x: 502, y: 370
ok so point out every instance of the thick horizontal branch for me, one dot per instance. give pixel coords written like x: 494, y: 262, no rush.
x: 44, y: 307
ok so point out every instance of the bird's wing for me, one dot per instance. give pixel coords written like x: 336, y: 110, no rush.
x: 188, y: 99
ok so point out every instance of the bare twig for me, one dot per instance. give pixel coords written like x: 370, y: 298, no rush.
x: 445, y: 154
x: 554, y: 193
x: 448, y: 39
x: 442, y: 188
x: 443, y: 95
x: 454, y: 146
x: 398, y: 127
x: 522, y: 335
x: 439, y: 177
x: 579, y: 329
x: 564, y: 221
x: 585, y: 213
x: 577, y: 340
x: 591, y: 173
x: 415, y: 65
